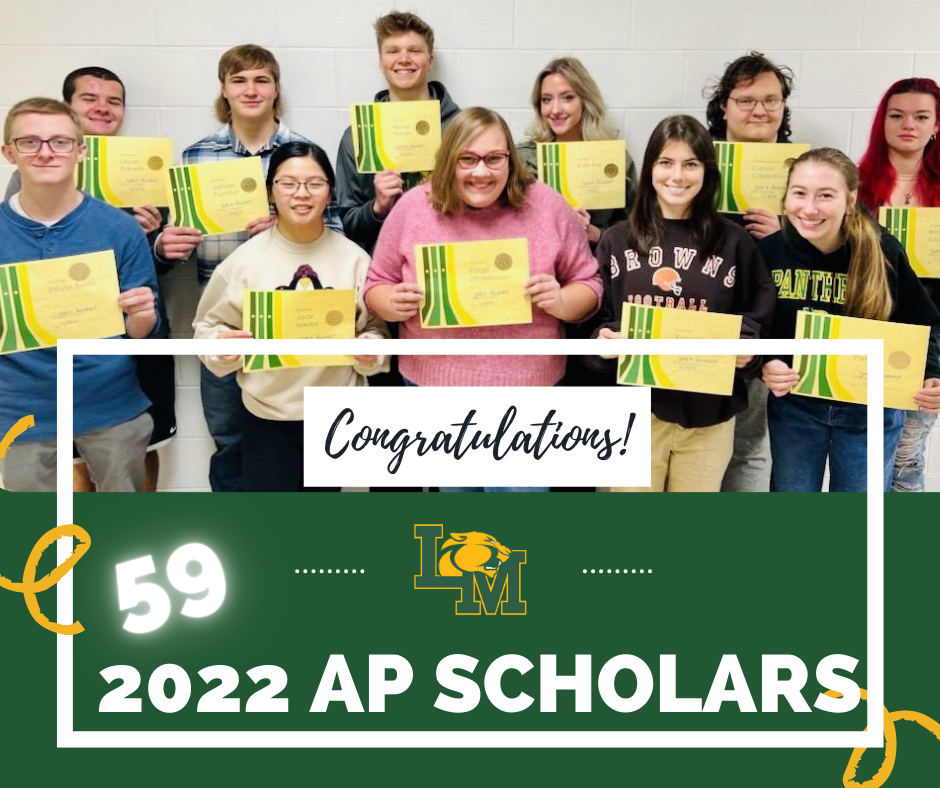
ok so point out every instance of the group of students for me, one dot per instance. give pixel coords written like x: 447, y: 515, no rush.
x: 825, y: 253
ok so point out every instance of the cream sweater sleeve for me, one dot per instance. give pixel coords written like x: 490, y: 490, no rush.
x: 220, y: 309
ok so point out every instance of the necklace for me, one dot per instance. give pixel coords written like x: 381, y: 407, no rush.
x: 908, y: 186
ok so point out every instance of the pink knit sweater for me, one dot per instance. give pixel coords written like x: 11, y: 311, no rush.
x: 557, y: 246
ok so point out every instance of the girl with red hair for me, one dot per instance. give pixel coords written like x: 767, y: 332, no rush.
x: 902, y: 167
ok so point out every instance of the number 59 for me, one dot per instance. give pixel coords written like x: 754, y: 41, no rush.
x: 132, y: 593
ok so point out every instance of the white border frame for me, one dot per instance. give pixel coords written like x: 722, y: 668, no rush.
x: 873, y: 737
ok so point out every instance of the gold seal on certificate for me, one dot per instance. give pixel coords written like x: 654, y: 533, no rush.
x: 591, y: 175
x: 60, y: 298
x: 754, y: 174
x: 299, y: 314
x: 474, y: 283
x: 845, y: 378
x: 217, y: 197
x: 396, y: 135
x: 125, y: 171
x: 918, y: 230
x: 703, y: 374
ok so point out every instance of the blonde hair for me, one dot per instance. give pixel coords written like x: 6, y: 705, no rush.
x: 41, y: 106
x: 241, y: 58
x: 867, y: 292
x: 594, y: 123
x: 466, y: 126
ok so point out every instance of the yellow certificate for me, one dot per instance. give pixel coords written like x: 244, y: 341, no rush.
x: 59, y: 298
x: 474, y: 283
x: 217, y: 197
x: 754, y: 174
x: 703, y: 374
x: 590, y: 175
x: 396, y: 135
x: 126, y: 171
x: 918, y: 230
x: 299, y: 314
x: 844, y: 378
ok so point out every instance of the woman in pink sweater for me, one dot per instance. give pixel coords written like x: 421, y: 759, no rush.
x: 481, y: 191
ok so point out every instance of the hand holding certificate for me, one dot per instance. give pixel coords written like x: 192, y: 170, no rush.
x: 474, y: 283
x: 703, y: 374
x: 591, y: 175
x: 396, y: 135
x: 299, y: 314
x: 754, y: 174
x: 918, y: 230
x: 61, y: 298
x: 126, y: 171
x: 845, y: 378
x: 217, y: 197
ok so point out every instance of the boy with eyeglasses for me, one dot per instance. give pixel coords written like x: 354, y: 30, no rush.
x: 98, y: 96
x: 250, y: 107
x: 50, y: 218
x: 406, y: 54
x: 749, y: 104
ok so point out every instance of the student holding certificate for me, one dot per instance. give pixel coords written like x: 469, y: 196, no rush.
x: 831, y: 256
x: 676, y: 251
x: 748, y: 103
x: 902, y: 168
x: 299, y: 247
x: 569, y: 108
x: 481, y: 191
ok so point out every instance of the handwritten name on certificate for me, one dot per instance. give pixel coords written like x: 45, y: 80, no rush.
x: 845, y: 378
x: 591, y: 175
x: 474, y: 283
x: 126, y: 171
x: 703, y: 374
x: 217, y: 197
x: 754, y: 174
x: 396, y: 135
x: 918, y: 230
x: 299, y: 314
x: 60, y: 298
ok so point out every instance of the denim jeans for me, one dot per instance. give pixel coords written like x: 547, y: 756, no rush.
x: 804, y: 432
x: 749, y: 469
x: 222, y: 408
x: 910, y: 461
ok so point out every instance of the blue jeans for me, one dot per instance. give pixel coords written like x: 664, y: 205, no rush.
x: 910, y: 462
x: 222, y: 408
x: 804, y: 432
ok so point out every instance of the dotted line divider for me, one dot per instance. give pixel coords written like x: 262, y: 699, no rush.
x: 616, y: 571
x: 330, y: 571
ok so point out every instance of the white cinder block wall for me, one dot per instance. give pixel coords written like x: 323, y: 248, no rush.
x: 650, y: 59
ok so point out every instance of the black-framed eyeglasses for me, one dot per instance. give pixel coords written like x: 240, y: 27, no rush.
x: 746, y: 104
x: 291, y: 186
x: 57, y: 145
x: 493, y: 161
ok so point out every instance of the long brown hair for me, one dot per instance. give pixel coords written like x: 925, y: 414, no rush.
x: 867, y: 291
x: 466, y: 126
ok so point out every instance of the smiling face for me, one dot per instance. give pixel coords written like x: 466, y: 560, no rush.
x: 45, y: 168
x: 757, y: 124
x: 481, y: 186
x: 562, y: 108
x: 251, y: 94
x: 99, y: 104
x: 910, y: 120
x: 405, y: 61
x: 678, y: 176
x: 816, y: 203
x: 301, y: 212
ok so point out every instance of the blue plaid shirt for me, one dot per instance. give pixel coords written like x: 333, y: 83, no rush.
x: 223, y: 145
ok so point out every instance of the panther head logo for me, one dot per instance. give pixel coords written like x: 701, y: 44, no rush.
x: 471, y: 552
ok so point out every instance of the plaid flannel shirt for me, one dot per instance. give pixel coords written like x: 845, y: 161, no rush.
x: 223, y: 145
